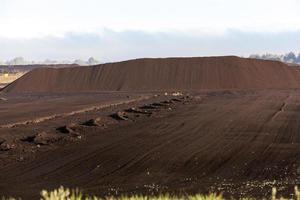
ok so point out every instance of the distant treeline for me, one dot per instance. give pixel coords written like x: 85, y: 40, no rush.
x: 23, y: 61
x: 26, y: 68
x: 288, y: 58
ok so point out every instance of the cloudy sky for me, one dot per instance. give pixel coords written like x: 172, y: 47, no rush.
x: 111, y: 30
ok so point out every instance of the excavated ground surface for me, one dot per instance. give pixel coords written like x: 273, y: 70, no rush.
x: 243, y: 142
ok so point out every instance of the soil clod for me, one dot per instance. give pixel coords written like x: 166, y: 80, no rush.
x: 120, y: 116
x: 93, y: 122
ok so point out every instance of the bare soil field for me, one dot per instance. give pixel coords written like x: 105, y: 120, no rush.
x: 122, y: 128
x: 143, y: 144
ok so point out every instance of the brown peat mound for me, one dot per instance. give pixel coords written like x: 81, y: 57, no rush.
x: 162, y: 75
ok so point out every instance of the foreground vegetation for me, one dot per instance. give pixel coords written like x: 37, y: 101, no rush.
x: 67, y: 194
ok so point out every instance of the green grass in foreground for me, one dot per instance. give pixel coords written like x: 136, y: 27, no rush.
x: 67, y: 194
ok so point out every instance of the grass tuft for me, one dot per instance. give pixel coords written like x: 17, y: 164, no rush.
x: 68, y: 194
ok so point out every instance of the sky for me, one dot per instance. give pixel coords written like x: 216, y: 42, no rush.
x: 114, y: 30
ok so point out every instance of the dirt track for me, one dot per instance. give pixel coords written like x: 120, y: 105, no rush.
x: 221, y: 140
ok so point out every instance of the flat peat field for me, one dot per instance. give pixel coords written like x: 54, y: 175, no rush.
x: 241, y: 143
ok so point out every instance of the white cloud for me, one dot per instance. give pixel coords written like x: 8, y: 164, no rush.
x: 37, y: 18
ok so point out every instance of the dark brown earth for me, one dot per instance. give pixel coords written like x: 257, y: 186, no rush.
x: 213, y: 141
x: 241, y: 142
